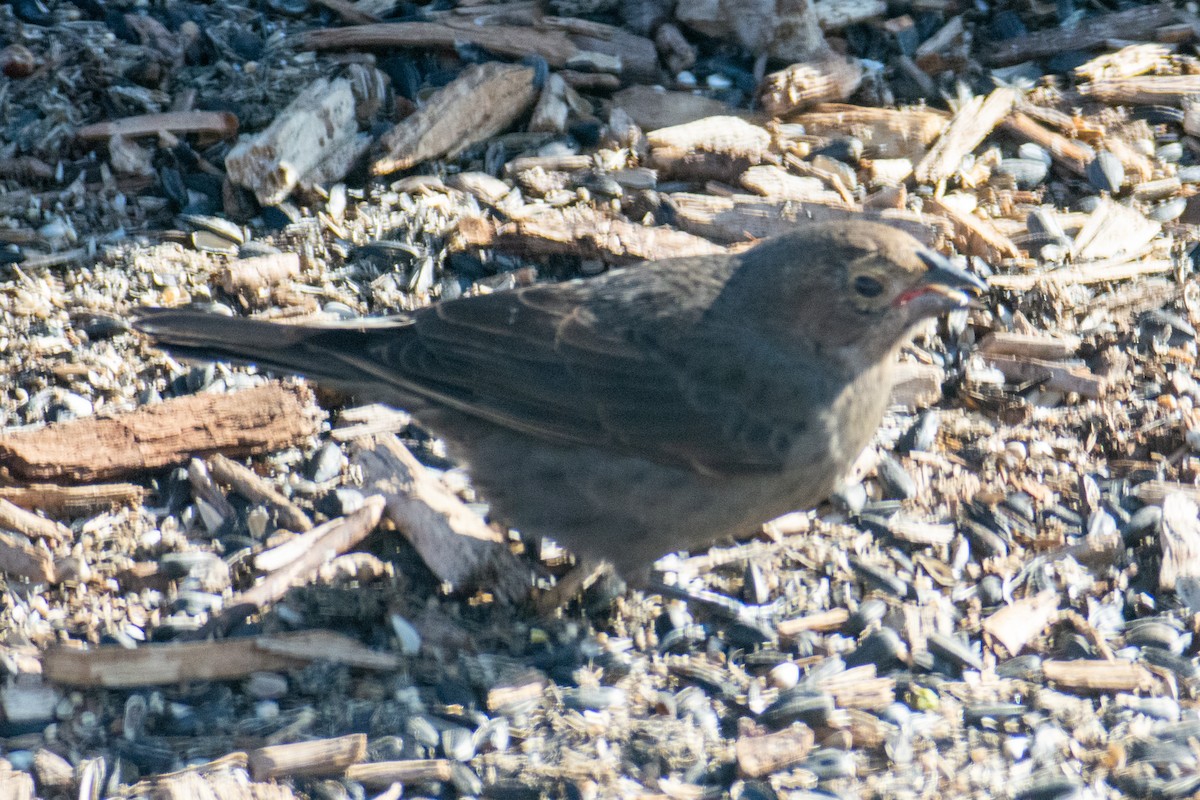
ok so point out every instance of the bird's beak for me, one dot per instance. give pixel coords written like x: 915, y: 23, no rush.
x: 944, y: 287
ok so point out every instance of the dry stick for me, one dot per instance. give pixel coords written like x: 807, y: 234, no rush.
x: 974, y: 235
x: 1098, y: 676
x: 221, y: 123
x: 385, y: 773
x: 259, y: 420
x: 1070, y: 154
x: 73, y: 501
x: 322, y: 544
x: 970, y: 126
x: 114, y: 666
x: 246, y: 483
x: 1106, y: 271
x: 511, y: 40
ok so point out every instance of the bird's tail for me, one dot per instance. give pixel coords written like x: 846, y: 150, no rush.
x: 324, y: 352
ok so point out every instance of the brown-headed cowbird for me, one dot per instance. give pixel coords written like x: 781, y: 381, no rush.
x: 650, y: 409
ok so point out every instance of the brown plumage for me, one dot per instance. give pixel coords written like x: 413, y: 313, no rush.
x: 654, y: 408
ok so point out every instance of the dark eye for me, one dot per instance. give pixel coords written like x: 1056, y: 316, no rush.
x: 867, y: 286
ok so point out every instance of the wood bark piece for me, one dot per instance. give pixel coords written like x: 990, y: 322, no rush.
x: 821, y: 622
x: 1101, y: 272
x: 117, y: 667
x: 317, y: 757
x: 773, y: 752
x: 1137, y: 23
x: 718, y: 148
x: 219, y: 123
x: 507, y: 40
x: 974, y: 235
x: 799, y: 86
x: 313, y: 549
x: 381, y: 774
x: 253, y: 278
x: 587, y: 233
x: 246, y: 483
x: 777, y: 183
x: 21, y: 558
x: 1098, y: 676
x: 1144, y: 90
x: 272, y: 163
x: 969, y: 127
x: 26, y: 523
x: 258, y: 420
x: 741, y: 218
x: 16, y: 785
x: 1015, y: 625
x: 885, y: 133
x: 1070, y: 154
x: 484, y: 100
x: 454, y: 542
x: 73, y: 501
x: 1054, y: 375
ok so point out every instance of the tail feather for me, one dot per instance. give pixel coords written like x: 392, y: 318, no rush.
x: 310, y: 350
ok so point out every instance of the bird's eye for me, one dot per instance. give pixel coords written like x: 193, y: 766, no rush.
x: 867, y: 286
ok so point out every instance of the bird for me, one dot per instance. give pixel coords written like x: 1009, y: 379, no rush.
x: 654, y: 408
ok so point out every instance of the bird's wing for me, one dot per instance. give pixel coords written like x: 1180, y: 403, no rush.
x: 538, y: 361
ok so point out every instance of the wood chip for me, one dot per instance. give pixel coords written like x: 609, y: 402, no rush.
x: 1114, y: 230
x: 316, y: 757
x: 969, y: 127
x: 246, y: 483
x: 774, y: 752
x: 1042, y: 345
x: 482, y: 101
x: 1015, y: 625
x: 452, y: 540
x: 1053, y: 375
x: 821, y: 622
x: 258, y: 420
x: 118, y: 667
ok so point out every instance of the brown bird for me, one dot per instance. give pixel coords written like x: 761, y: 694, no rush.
x: 654, y: 408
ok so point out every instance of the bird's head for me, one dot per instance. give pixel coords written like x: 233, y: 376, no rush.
x: 857, y: 288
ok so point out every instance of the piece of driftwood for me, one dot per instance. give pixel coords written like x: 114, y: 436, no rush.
x: 1015, y: 625
x: 272, y: 162
x: 802, y: 85
x: 885, y: 133
x: 973, y: 235
x: 17, y: 519
x: 258, y: 420
x: 1047, y: 346
x: 315, y: 757
x: 482, y: 101
x: 1052, y: 374
x: 506, y: 40
x: 717, y: 148
x: 453, y: 541
x: 1136, y: 23
x: 217, y: 123
x: 16, y: 784
x: 368, y: 420
x: 115, y: 666
x: 1143, y: 90
x: 1098, y: 676
x: 773, y: 752
x: 381, y: 774
x: 741, y: 218
x: 585, y: 232
x: 256, y: 489
x: 970, y: 126
x: 1070, y: 154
